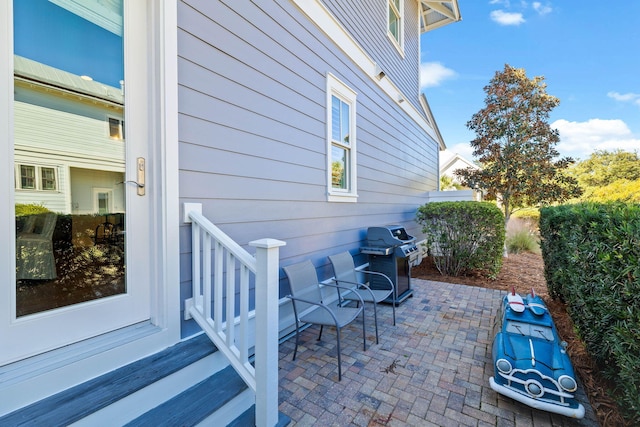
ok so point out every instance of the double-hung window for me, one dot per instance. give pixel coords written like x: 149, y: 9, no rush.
x: 48, y: 179
x: 341, y: 141
x: 116, y: 128
x: 28, y: 177
x: 396, y: 10
x: 31, y: 177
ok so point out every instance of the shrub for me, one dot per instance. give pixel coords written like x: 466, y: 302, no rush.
x: 463, y: 236
x: 521, y: 241
x: 30, y: 209
x: 591, y: 254
x: 522, y: 235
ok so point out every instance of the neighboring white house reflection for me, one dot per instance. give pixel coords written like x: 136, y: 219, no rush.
x: 69, y: 157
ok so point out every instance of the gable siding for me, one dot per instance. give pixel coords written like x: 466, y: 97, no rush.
x: 252, y: 78
x: 366, y: 21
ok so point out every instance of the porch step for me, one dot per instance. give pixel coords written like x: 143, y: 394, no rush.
x: 85, y: 399
x: 195, y: 404
x: 164, y: 389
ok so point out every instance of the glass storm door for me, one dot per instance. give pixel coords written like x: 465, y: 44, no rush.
x: 74, y: 209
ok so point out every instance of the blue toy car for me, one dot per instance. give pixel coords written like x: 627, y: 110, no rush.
x: 531, y: 364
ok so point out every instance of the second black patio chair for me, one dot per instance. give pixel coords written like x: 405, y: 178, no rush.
x: 309, y: 306
x: 345, y: 274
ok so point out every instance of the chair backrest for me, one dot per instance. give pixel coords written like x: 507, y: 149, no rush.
x: 303, y: 281
x: 39, y: 227
x: 29, y: 223
x: 344, y: 268
x: 49, y: 225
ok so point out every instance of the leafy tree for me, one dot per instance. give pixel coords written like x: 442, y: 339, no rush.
x: 620, y: 190
x: 515, y: 145
x: 603, y: 168
x: 448, y: 183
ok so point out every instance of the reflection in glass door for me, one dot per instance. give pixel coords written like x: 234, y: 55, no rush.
x: 102, y: 200
x: 69, y: 153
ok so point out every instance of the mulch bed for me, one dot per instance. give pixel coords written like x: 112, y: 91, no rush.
x: 524, y: 272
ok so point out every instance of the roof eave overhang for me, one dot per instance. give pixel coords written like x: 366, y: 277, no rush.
x: 438, y: 13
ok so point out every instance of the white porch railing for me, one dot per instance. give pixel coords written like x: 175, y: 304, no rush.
x: 216, y: 259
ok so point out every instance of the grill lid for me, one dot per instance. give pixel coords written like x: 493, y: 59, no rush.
x: 389, y: 235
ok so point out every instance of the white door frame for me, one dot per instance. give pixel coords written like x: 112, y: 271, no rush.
x: 78, y: 362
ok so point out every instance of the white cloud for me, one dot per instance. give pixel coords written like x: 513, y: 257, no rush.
x: 434, y: 73
x: 580, y: 139
x: 507, y: 18
x: 625, y: 97
x: 540, y: 8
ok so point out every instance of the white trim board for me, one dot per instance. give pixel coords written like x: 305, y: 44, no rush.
x: 327, y: 23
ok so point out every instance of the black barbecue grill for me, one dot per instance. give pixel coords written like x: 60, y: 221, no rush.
x: 392, y: 252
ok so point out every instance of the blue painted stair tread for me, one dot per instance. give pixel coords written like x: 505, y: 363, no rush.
x: 195, y: 404
x: 84, y: 399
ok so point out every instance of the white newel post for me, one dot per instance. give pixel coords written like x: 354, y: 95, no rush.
x: 267, y: 321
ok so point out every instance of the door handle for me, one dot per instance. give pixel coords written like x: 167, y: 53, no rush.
x: 140, y: 172
x: 140, y: 169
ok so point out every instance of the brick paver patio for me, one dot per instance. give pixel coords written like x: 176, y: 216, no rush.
x: 431, y: 369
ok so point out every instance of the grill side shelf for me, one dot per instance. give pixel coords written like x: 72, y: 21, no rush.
x: 376, y: 250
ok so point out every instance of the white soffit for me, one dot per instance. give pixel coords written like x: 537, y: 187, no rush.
x: 435, y: 14
x: 104, y: 13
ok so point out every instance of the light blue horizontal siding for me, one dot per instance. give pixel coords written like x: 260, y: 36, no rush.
x: 252, y: 78
x: 366, y: 21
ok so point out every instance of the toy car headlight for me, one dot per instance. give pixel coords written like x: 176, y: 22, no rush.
x: 504, y: 366
x: 534, y: 388
x: 567, y: 383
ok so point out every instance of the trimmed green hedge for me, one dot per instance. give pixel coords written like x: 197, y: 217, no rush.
x: 464, y: 236
x: 591, y: 255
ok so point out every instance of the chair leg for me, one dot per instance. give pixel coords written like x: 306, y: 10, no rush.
x: 364, y: 333
x: 375, y: 318
x: 394, y: 314
x: 320, y: 335
x: 295, y: 350
x: 339, y: 358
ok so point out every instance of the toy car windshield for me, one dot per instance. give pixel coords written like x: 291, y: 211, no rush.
x: 527, y: 329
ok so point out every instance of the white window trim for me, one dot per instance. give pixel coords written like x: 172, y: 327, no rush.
x: 398, y: 43
x: 121, y: 135
x: 96, y: 204
x: 318, y: 13
x: 337, y: 88
x: 37, y: 178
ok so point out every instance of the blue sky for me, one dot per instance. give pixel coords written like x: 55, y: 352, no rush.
x: 588, y: 52
x: 54, y: 36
